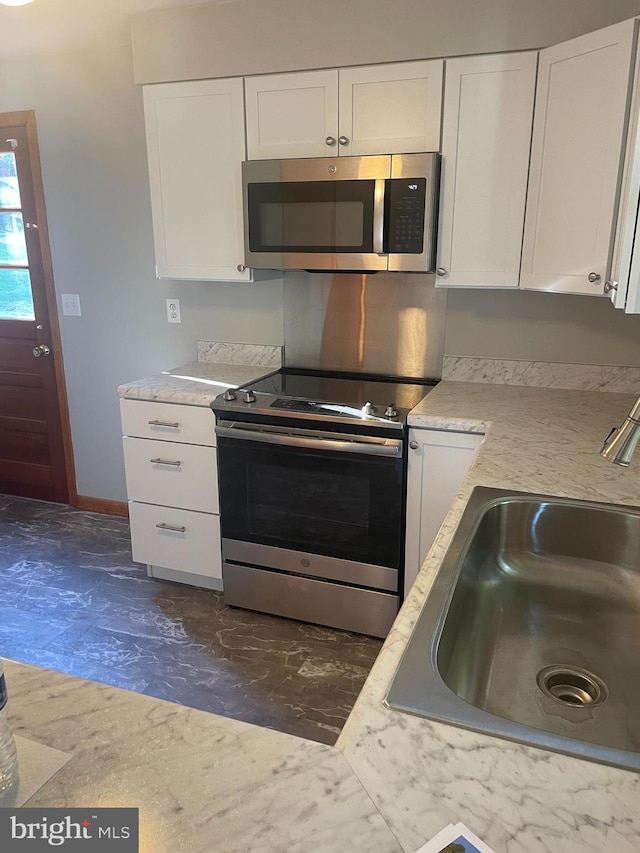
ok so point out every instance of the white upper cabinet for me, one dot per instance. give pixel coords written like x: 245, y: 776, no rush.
x: 486, y: 142
x: 381, y: 109
x: 390, y: 109
x: 623, y: 286
x: 292, y: 115
x: 578, y: 137
x: 195, y: 146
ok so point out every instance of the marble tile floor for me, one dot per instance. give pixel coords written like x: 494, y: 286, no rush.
x: 72, y: 600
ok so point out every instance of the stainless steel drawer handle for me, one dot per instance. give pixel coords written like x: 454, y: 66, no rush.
x: 173, y: 527
x: 175, y: 462
x: 164, y: 424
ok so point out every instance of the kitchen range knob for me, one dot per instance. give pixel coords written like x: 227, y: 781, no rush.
x: 43, y: 349
x: 330, y: 140
x: 593, y: 277
x: 249, y: 397
x: 413, y: 445
x: 441, y: 271
x: 391, y: 411
x: 230, y: 395
x: 368, y: 409
x: 343, y: 140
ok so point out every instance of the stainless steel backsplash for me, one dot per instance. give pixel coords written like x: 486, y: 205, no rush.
x: 391, y: 323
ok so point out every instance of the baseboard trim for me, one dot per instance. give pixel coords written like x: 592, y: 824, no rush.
x: 120, y: 508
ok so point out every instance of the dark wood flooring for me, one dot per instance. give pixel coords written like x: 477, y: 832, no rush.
x: 73, y: 600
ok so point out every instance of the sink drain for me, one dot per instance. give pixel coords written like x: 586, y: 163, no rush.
x: 572, y: 686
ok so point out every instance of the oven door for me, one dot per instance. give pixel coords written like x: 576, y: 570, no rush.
x: 322, y: 495
x: 316, y: 214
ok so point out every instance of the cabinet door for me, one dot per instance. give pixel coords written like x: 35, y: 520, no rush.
x: 168, y: 422
x: 624, y: 280
x: 195, y: 145
x: 292, y: 115
x: 578, y: 134
x: 184, y: 541
x: 486, y: 141
x: 390, y: 109
x: 438, y: 463
x: 184, y: 476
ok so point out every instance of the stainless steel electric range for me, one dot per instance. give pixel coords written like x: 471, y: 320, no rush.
x: 312, y: 473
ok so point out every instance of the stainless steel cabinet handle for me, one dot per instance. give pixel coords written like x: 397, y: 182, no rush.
x: 413, y: 445
x: 593, y: 277
x: 164, y: 424
x: 441, y: 271
x: 241, y: 268
x: 175, y: 462
x: 343, y: 140
x: 163, y: 526
x: 42, y: 349
x: 330, y: 140
x: 610, y: 285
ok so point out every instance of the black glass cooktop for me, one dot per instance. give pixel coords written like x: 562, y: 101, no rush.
x: 295, y: 386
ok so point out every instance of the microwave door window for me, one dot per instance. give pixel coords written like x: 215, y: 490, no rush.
x: 321, y: 225
x: 318, y: 216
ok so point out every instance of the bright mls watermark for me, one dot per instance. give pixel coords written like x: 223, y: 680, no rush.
x: 80, y: 830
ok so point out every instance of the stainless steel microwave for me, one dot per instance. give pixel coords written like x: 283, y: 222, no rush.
x: 344, y: 213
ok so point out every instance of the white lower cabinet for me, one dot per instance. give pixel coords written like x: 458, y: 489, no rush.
x: 438, y: 463
x: 184, y: 542
x: 172, y: 486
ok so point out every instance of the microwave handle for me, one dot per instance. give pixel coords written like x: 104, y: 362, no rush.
x: 378, y: 217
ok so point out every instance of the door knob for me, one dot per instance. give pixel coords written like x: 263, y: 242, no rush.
x: 343, y: 140
x: 42, y: 349
x: 330, y: 140
x: 594, y: 277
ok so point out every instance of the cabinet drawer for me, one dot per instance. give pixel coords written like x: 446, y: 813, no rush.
x: 171, y: 474
x: 192, y: 546
x: 168, y: 422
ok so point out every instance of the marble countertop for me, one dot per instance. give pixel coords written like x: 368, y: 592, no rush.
x: 205, y: 783
x: 193, y: 384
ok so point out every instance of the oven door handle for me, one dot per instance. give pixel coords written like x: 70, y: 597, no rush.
x: 391, y: 447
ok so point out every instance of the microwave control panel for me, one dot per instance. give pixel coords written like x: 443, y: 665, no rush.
x: 404, y: 202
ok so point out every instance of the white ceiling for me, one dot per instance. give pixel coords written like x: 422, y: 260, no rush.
x: 56, y: 26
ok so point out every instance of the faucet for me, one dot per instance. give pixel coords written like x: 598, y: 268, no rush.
x: 620, y: 444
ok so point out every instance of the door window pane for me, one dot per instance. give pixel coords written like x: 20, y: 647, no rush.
x: 16, y: 301
x: 9, y: 190
x: 13, y: 248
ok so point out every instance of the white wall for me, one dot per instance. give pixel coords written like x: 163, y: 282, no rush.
x: 264, y: 36
x: 91, y: 133
x: 540, y: 327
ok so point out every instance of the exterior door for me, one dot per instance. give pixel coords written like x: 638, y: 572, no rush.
x: 35, y: 448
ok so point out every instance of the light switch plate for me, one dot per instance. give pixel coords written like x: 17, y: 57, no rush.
x: 71, y: 304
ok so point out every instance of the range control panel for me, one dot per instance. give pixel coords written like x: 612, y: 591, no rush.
x: 404, y: 213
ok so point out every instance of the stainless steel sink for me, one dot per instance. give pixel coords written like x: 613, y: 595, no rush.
x: 532, y: 628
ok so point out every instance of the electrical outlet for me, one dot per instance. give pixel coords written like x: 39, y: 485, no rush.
x: 71, y: 304
x: 173, y: 311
